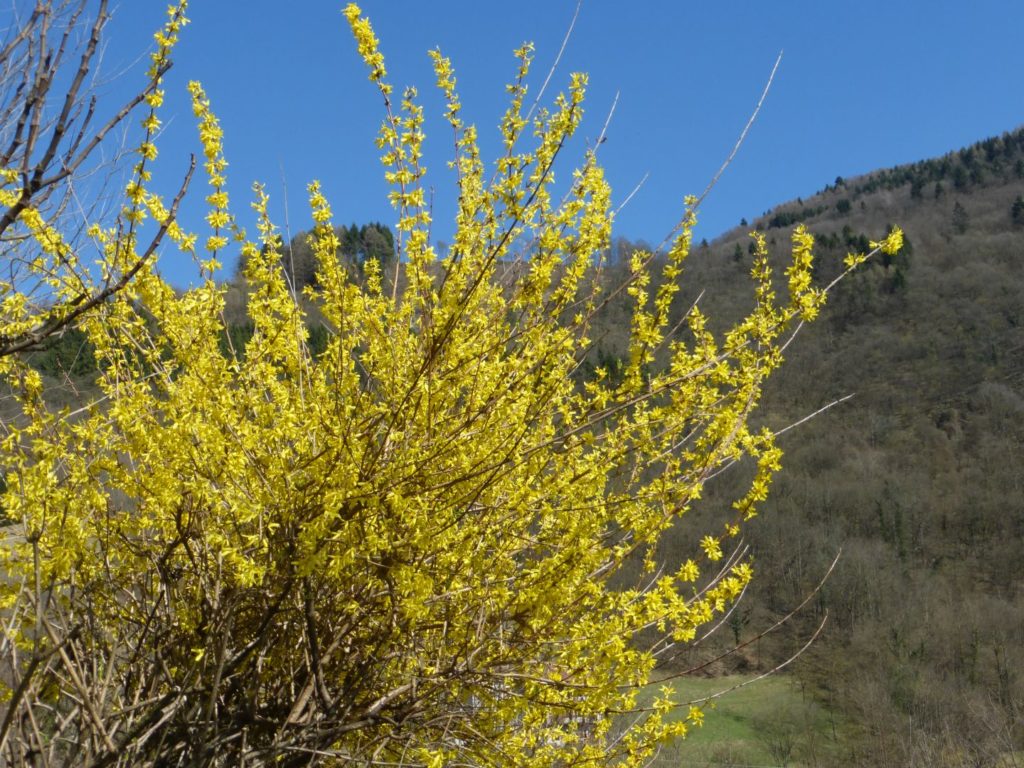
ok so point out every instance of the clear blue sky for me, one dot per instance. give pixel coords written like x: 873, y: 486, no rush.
x: 863, y: 84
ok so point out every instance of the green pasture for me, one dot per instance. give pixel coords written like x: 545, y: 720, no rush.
x: 765, y: 723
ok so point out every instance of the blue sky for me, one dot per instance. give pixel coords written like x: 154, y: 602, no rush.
x: 862, y: 85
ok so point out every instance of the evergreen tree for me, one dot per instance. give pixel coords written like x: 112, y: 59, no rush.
x: 960, y: 219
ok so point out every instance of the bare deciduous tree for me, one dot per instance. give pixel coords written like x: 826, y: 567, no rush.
x: 54, y: 139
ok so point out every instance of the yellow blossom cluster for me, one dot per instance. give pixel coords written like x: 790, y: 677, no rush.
x: 414, y: 545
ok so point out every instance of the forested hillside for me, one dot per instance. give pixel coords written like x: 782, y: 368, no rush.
x: 917, y: 479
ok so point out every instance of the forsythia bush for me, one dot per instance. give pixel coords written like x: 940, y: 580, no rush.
x: 400, y: 551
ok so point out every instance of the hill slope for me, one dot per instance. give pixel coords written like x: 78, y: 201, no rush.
x: 919, y: 478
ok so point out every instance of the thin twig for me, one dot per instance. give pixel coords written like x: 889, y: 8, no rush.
x: 554, y: 66
x: 743, y: 134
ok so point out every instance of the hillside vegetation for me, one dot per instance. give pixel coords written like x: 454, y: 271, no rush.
x: 918, y: 478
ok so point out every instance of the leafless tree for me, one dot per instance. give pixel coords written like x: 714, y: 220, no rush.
x: 55, y: 135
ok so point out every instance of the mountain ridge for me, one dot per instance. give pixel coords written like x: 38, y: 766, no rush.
x: 918, y: 478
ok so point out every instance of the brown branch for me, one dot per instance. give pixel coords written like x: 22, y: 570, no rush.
x: 82, y: 304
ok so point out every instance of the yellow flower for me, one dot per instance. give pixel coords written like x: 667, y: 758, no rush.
x: 712, y: 548
x: 688, y: 572
x: 892, y: 244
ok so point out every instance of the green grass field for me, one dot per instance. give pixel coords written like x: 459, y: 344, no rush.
x: 766, y: 723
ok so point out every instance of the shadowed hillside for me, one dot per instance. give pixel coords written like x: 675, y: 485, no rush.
x: 919, y: 477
